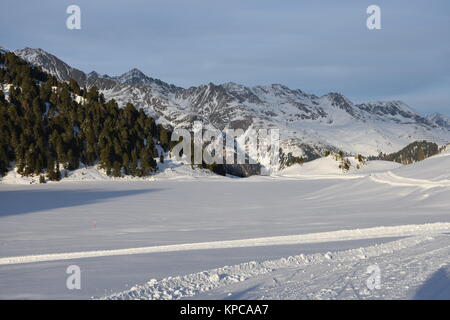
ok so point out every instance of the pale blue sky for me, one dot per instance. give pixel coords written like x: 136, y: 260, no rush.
x: 316, y: 46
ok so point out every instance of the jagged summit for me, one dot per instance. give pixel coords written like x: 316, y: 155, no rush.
x: 93, y: 74
x: 53, y: 65
x: 395, y: 110
x: 439, y: 119
x: 135, y: 72
x: 134, y: 76
x: 338, y: 100
x: 394, y: 106
x: 63, y: 72
x: 39, y: 56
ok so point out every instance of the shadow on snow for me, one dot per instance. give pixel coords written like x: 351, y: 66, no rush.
x: 436, y: 287
x: 27, y: 201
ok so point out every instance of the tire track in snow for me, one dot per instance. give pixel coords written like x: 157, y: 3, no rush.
x: 332, y: 236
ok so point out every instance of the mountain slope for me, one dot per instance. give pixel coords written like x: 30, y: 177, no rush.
x: 440, y: 120
x: 306, y: 122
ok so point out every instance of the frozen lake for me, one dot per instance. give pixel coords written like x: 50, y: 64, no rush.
x: 89, y: 216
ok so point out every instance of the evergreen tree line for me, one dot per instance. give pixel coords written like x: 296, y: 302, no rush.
x: 46, y: 124
x: 287, y: 160
x: 416, y: 151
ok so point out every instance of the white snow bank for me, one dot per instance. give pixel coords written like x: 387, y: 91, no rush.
x: 376, y: 166
x: 169, y: 170
x: 328, y: 265
x: 13, y: 177
x: 329, y: 167
x: 430, y: 173
x: 436, y: 168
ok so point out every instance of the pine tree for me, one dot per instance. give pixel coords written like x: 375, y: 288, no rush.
x: 117, y: 169
x: 41, y: 126
x: 53, y: 172
x: 164, y: 137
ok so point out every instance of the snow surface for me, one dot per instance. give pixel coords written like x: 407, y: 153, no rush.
x: 309, y: 236
x: 169, y: 170
x: 329, y: 167
x: 331, y: 275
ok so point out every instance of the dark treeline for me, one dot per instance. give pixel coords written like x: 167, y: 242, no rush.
x: 416, y: 151
x: 43, y: 127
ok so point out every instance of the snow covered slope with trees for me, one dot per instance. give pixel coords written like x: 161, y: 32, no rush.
x: 309, y: 124
x: 47, y: 125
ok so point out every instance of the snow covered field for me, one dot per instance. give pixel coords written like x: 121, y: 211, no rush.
x: 298, y: 229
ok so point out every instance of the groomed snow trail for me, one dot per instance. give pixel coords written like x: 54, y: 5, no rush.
x: 395, y: 180
x: 405, y: 266
x: 341, y: 235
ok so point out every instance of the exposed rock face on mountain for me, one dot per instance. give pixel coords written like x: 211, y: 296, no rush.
x: 52, y: 64
x: 440, y: 120
x: 308, y: 123
x: 395, y: 111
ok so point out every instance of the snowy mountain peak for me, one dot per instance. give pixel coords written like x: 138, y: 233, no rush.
x: 438, y: 116
x: 136, y: 73
x: 134, y: 76
x: 392, y: 108
x: 280, y: 87
x: 396, y: 111
x: 36, y: 55
x: 440, y: 120
x: 51, y: 64
x: 93, y: 74
x: 339, y: 101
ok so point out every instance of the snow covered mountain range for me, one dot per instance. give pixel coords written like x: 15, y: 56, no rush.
x: 308, y: 123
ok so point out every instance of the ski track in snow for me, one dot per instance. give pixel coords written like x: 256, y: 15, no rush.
x: 404, y: 264
x: 396, y: 180
x: 341, y: 235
